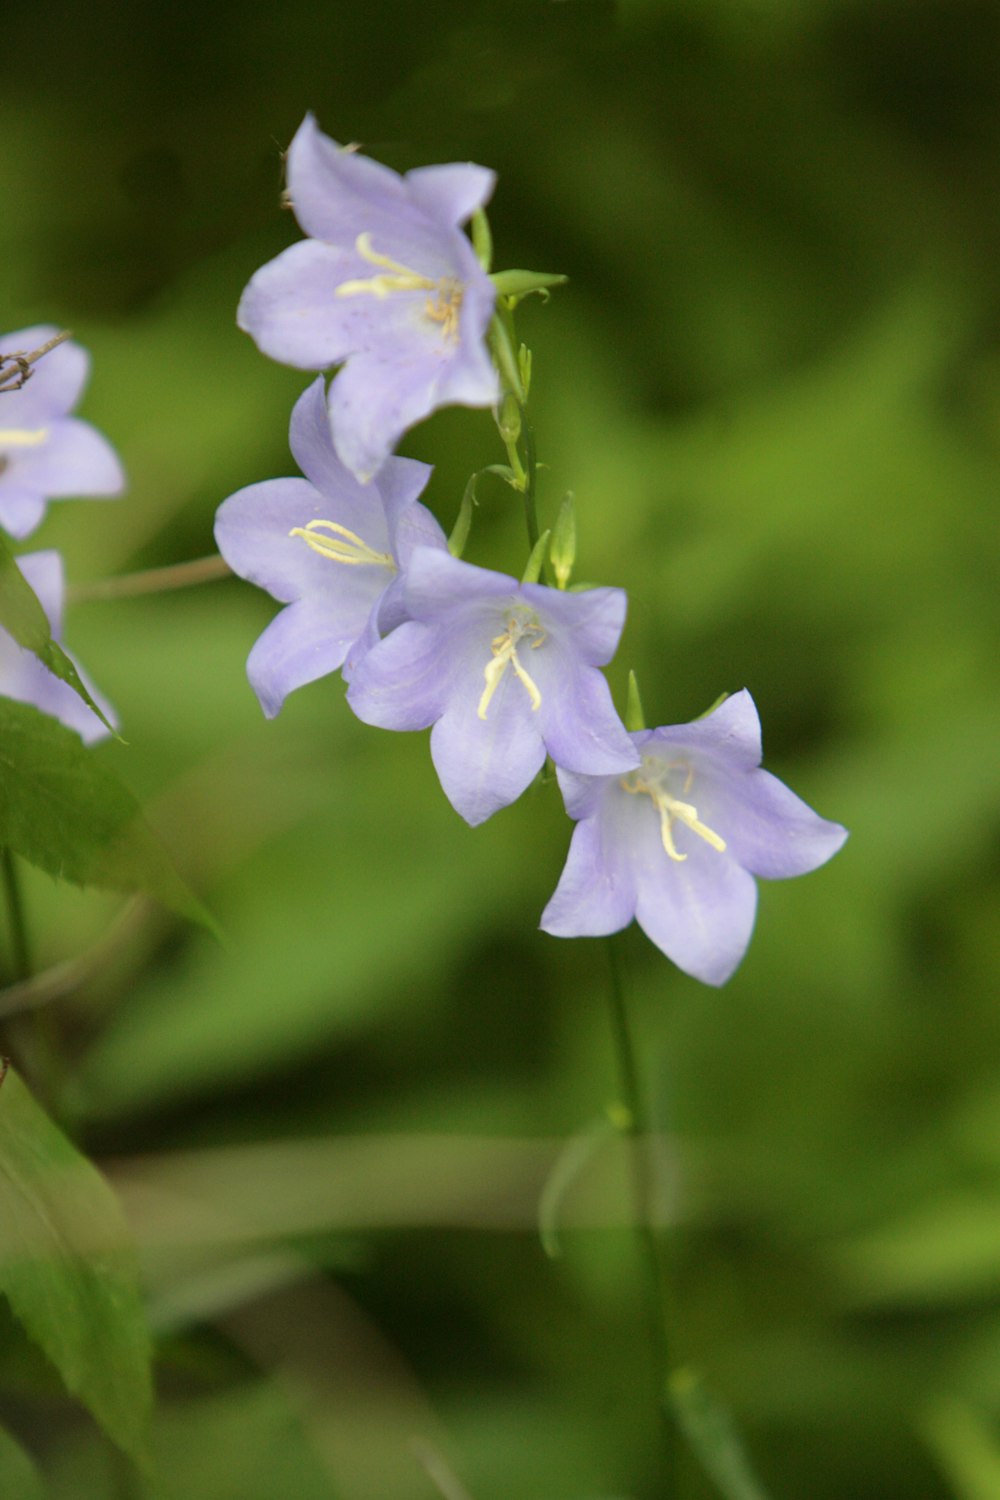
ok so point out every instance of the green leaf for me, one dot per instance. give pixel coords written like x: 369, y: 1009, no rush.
x: 22, y: 615
x: 68, y: 1269
x: 18, y: 1476
x: 62, y: 809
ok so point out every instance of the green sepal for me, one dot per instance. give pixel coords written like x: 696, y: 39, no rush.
x: 516, y: 285
x: 536, y: 561
x: 463, y: 523
x: 482, y: 239
x: 506, y: 359
x: 635, y: 719
x: 504, y: 472
x: 563, y: 551
x: 22, y: 615
x: 509, y: 418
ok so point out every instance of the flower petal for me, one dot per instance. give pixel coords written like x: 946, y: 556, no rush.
x: 74, y: 460
x: 591, y: 621
x: 375, y: 399
x: 437, y: 584
x: 452, y: 192
x: 252, y: 532
x: 729, y: 736
x: 596, y: 893
x: 485, y: 764
x: 56, y: 382
x: 576, y: 717
x: 306, y: 641
x: 403, y: 682
x: 767, y: 828
x: 21, y: 509
x: 291, y: 310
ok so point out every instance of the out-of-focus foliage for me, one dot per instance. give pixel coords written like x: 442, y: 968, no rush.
x: 773, y: 385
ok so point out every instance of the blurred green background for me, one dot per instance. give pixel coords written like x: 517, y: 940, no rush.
x: 773, y: 383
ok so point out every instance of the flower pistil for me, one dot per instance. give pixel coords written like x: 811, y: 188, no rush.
x: 504, y: 654
x: 22, y: 437
x: 648, y: 780
x: 342, y: 545
x: 443, y: 308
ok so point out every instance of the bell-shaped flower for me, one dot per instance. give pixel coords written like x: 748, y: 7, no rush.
x: 45, y: 454
x: 330, y: 549
x: 387, y: 282
x: 677, y: 842
x: 25, y: 678
x: 505, y: 672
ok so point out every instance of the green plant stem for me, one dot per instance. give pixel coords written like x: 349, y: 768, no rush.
x: 653, y: 1281
x: 530, y: 471
x: 152, y: 580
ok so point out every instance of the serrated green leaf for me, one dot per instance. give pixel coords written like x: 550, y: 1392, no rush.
x: 18, y: 1476
x: 68, y: 1269
x: 22, y: 615
x: 65, y: 811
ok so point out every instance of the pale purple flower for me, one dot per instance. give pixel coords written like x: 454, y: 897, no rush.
x: 505, y: 672
x: 45, y: 454
x: 330, y: 549
x: 388, y: 282
x: 25, y: 678
x: 676, y: 843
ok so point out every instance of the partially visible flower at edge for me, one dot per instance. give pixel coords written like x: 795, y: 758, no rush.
x: 505, y: 672
x: 45, y: 454
x: 26, y: 679
x: 676, y: 843
x: 328, y: 547
x: 388, y: 283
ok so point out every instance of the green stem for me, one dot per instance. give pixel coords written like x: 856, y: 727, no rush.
x: 152, y: 580
x: 653, y: 1281
x: 530, y: 471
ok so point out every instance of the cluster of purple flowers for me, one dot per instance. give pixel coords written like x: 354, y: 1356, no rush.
x: 46, y: 454
x: 673, y: 823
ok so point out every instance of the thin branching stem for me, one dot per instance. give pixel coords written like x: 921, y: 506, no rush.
x: 152, y: 580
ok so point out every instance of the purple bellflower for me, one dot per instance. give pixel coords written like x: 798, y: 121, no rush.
x: 25, y: 678
x: 677, y: 842
x: 388, y: 283
x: 45, y: 454
x: 504, y: 672
x: 330, y: 549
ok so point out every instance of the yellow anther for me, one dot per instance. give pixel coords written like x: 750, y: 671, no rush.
x: 504, y: 649
x: 341, y: 545
x: 647, y: 782
x: 22, y: 437
x: 442, y: 308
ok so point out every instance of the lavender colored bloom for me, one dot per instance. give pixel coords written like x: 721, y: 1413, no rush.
x: 504, y: 672
x: 676, y: 843
x: 23, y: 676
x: 45, y: 454
x: 388, y: 282
x: 329, y: 548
